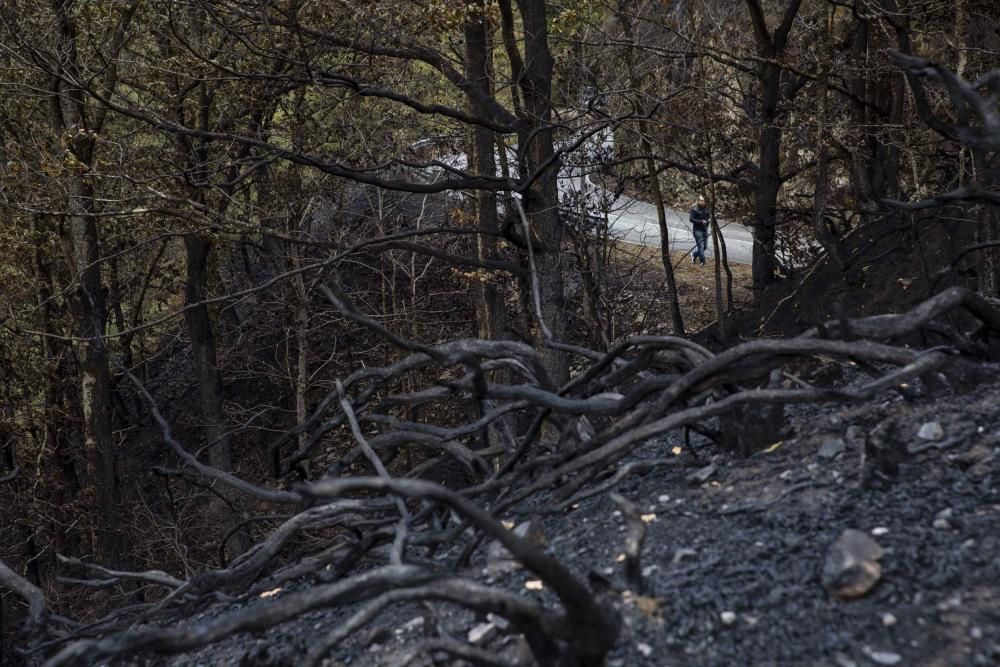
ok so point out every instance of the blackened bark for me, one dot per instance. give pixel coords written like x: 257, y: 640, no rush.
x: 209, y: 377
x: 770, y: 50
x: 82, y: 243
x: 55, y: 370
x: 491, y: 315
x: 987, y: 173
x: 676, y: 318
x: 722, y: 310
x: 876, y: 96
x: 768, y: 179
x: 541, y: 201
x: 95, y: 378
x: 825, y: 236
x: 210, y: 390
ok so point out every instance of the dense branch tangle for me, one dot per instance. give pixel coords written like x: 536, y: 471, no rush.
x: 565, y: 440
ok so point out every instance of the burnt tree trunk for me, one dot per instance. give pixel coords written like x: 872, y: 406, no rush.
x: 676, y: 318
x: 541, y: 200
x: 988, y: 226
x: 722, y: 308
x: 199, y: 325
x: 875, y: 161
x: 826, y: 237
x: 490, y: 313
x: 195, y: 164
x: 206, y: 367
x: 768, y: 178
x: 81, y: 242
x: 770, y: 50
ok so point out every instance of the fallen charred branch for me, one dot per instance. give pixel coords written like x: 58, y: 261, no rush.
x: 391, y: 538
x: 36, y: 621
x: 11, y: 476
x: 580, y: 635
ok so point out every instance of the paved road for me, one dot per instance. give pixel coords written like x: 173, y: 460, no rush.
x: 635, y: 221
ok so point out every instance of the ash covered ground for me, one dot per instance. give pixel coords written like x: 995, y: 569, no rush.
x: 734, y: 550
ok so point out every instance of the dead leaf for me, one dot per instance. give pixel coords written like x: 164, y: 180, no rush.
x: 648, y: 606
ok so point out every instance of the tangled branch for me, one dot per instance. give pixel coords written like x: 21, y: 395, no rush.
x: 393, y: 533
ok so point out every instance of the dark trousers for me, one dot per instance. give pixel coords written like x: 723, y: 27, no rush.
x: 700, y: 243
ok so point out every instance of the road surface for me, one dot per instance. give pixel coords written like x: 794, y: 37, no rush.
x: 635, y: 221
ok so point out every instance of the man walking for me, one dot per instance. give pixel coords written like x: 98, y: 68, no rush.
x: 699, y: 218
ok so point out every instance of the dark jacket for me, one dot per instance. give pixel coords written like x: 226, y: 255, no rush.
x: 699, y: 218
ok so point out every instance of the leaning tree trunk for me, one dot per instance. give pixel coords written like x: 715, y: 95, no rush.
x: 722, y: 309
x: 673, y: 297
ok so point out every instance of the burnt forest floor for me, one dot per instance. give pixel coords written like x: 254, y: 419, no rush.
x: 732, y: 563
